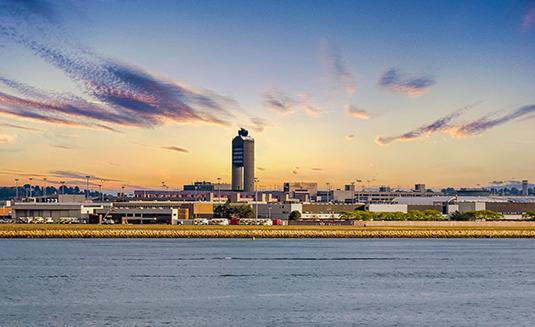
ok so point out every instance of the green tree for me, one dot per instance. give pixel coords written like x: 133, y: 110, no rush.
x: 529, y: 215
x: 433, y: 215
x: 223, y: 211
x: 465, y: 216
x: 243, y: 211
x: 358, y: 215
x: 476, y: 215
x: 294, y: 215
x: 487, y: 215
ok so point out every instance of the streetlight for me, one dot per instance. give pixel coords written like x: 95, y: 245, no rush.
x: 87, y: 187
x: 219, y: 189
x: 44, y: 189
x: 328, y: 192
x: 16, y: 188
x: 256, y: 199
x: 122, y: 191
x: 62, y: 187
x: 31, y: 186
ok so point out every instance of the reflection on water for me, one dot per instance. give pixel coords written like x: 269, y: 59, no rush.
x: 376, y: 282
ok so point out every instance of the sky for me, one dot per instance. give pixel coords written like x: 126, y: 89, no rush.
x: 136, y: 93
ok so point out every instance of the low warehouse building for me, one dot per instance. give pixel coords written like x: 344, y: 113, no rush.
x: 53, y: 212
x: 278, y: 210
x: 124, y: 212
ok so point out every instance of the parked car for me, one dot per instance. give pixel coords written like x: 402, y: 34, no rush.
x: 200, y: 221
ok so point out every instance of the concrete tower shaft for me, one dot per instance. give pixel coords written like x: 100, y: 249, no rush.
x: 243, y: 162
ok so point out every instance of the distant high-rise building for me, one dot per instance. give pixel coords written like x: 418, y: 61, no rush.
x: 243, y: 162
x: 525, y: 188
x: 419, y: 188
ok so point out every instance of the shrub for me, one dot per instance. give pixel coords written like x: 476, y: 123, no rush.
x: 476, y: 215
x: 294, y: 215
x: 413, y: 215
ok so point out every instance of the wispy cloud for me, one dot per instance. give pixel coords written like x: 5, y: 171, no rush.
x: 76, y: 175
x: 20, y: 127
x: 54, y: 111
x: 175, y: 148
x: 317, y: 169
x: 62, y: 146
x: 114, y: 92
x: 14, y: 172
x: 280, y: 102
x: 441, y: 124
x: 445, y: 124
x: 258, y: 124
x: 311, y: 109
x: 528, y: 21
x: 481, y: 125
x: 338, y: 68
x: 354, y: 112
x: 398, y: 82
x: 6, y: 138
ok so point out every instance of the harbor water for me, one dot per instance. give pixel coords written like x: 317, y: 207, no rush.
x: 267, y: 282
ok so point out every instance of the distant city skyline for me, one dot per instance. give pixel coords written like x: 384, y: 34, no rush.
x: 390, y: 93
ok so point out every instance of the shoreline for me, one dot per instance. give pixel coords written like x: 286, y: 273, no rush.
x: 23, y: 231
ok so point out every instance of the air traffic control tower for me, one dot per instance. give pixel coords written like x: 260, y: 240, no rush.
x: 243, y: 162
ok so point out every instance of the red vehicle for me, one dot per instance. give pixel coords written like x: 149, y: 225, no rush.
x: 234, y: 221
x: 277, y: 222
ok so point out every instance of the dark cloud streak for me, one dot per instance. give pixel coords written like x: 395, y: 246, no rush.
x: 481, y: 125
x: 338, y: 68
x: 441, y: 124
x: 175, y: 149
x: 395, y: 81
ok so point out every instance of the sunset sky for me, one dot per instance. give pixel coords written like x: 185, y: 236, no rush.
x: 394, y: 92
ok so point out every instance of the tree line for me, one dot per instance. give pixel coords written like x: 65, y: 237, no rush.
x: 228, y: 211
x: 7, y: 193
x: 430, y: 215
x: 413, y: 215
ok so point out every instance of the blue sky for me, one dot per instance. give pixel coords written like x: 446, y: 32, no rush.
x: 395, y: 91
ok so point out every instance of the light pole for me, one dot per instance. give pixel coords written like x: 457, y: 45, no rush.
x: 328, y: 192
x: 44, y: 189
x: 100, y: 191
x: 16, y: 188
x: 122, y: 192
x: 62, y: 187
x: 256, y: 199
x: 87, y: 187
x: 219, y: 189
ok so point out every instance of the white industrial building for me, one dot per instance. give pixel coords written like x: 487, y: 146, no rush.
x: 385, y: 207
x: 278, y: 210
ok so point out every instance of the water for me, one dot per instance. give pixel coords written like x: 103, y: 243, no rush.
x: 316, y: 282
